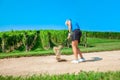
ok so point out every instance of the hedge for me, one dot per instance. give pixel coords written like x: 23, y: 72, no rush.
x: 44, y: 39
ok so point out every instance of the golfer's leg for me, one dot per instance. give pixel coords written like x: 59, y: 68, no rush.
x: 75, y: 50
x: 80, y: 53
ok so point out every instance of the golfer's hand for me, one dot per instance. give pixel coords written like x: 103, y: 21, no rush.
x: 69, y: 35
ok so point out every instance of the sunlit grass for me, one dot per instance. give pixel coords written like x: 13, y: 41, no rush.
x: 91, y: 75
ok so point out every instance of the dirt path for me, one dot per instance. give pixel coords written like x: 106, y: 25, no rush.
x: 97, y: 61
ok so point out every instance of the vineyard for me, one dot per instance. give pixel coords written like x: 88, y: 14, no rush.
x: 30, y: 40
x: 43, y: 39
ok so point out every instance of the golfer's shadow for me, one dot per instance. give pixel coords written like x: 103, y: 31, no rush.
x: 94, y: 59
x: 87, y: 60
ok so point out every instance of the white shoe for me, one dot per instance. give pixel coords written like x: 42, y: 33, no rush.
x: 75, y: 61
x: 81, y: 60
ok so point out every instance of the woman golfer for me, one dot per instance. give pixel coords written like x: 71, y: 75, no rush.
x: 75, y: 34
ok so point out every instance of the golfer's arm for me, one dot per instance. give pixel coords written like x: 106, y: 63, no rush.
x: 69, y: 28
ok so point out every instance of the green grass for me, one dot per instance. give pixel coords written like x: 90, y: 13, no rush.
x: 94, y: 45
x: 25, y: 54
x: 97, y: 44
x: 91, y: 75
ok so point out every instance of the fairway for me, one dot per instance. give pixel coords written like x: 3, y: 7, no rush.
x: 95, y: 61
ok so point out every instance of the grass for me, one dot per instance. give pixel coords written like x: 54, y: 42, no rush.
x: 103, y: 44
x: 91, y: 75
x: 94, y: 45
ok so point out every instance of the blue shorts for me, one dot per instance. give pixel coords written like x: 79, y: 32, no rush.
x: 76, y: 35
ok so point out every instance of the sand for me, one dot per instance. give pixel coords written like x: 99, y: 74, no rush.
x: 95, y: 61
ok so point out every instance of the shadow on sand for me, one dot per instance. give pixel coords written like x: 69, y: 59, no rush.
x: 87, y: 60
x: 94, y: 59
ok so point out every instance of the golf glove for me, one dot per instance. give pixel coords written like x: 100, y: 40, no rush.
x: 69, y: 35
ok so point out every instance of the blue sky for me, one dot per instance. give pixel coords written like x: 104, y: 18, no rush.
x: 92, y: 15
